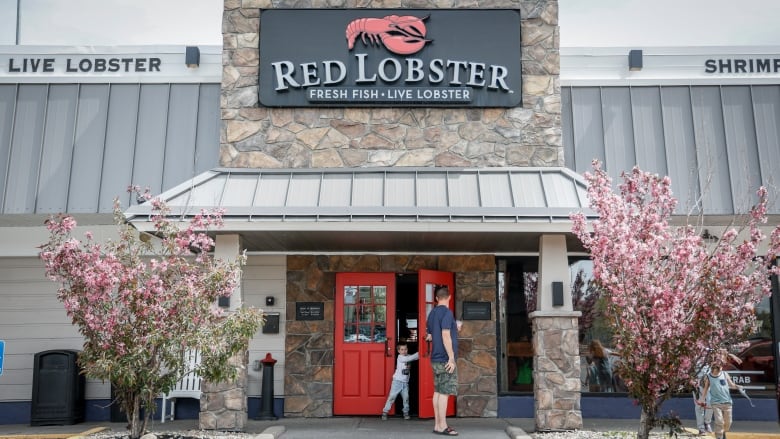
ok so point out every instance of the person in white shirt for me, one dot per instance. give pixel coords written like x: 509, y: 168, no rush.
x: 400, y: 380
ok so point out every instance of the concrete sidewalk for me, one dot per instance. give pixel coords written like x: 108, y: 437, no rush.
x: 373, y: 428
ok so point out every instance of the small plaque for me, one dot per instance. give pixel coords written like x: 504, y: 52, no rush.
x: 476, y: 311
x: 271, y: 325
x: 310, y: 311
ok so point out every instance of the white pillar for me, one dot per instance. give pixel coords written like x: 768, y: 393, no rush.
x: 228, y: 248
x: 556, y: 346
x: 553, y: 267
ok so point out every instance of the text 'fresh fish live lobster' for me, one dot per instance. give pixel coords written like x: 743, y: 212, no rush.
x: 402, y: 35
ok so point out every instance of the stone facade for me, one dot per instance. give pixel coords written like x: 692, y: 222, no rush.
x: 223, y: 405
x: 556, y: 370
x: 260, y: 137
x: 308, y: 380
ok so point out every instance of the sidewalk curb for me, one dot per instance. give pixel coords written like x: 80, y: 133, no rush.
x: 272, y: 432
x: 516, y: 433
x: 55, y: 435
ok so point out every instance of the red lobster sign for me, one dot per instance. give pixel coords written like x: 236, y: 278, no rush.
x: 400, y: 35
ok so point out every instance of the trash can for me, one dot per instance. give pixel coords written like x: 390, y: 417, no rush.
x: 58, y: 389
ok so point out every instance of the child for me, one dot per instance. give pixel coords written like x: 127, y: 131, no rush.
x: 716, y: 386
x: 400, y: 380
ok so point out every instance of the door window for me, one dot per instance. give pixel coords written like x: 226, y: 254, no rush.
x: 365, y: 314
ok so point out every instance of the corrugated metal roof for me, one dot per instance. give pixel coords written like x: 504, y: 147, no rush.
x: 380, y: 194
x: 415, y: 209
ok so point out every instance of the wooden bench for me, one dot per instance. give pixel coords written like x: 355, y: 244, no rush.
x: 187, y: 387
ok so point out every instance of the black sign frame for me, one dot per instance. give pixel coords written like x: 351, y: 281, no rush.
x: 470, y: 58
x: 310, y: 311
x: 477, y: 311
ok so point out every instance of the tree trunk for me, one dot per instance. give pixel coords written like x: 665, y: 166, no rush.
x: 135, y: 422
x: 646, y: 421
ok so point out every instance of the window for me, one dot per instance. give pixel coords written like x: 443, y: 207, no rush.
x: 517, y: 286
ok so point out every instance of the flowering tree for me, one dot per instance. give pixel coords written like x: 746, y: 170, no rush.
x: 668, y: 296
x: 141, y: 304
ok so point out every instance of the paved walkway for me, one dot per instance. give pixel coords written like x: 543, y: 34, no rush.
x: 373, y: 428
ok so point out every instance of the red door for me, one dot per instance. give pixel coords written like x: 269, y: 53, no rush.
x: 428, y: 279
x: 364, y: 355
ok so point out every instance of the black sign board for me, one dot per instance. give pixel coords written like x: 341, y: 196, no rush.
x: 390, y: 57
x: 271, y: 324
x: 309, y: 311
x: 476, y: 311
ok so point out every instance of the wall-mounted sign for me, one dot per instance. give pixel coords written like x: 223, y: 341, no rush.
x: 390, y: 57
x: 742, y: 65
x: 476, y: 311
x: 52, y: 64
x: 309, y: 311
x: 107, y: 64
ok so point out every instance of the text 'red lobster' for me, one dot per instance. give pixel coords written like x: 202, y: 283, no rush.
x: 401, y: 35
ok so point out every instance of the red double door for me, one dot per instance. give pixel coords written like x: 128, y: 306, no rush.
x: 366, y: 337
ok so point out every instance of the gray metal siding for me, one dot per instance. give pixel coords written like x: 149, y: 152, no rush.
x: 7, y: 104
x: 150, y: 137
x: 717, y: 143
x: 119, y: 156
x: 711, y: 149
x: 587, y: 126
x: 207, y: 140
x: 86, y: 167
x: 22, y: 174
x: 648, y: 129
x: 179, y: 163
x: 679, y: 143
x: 766, y: 107
x: 618, y: 129
x: 75, y: 147
x: 57, y: 151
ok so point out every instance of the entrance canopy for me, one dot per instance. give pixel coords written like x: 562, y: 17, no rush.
x: 398, y: 209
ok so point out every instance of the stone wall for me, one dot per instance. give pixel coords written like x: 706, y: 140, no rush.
x: 308, y: 377
x: 223, y: 405
x: 557, y: 370
x: 260, y: 137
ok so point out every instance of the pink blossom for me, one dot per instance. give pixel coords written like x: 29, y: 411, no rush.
x: 133, y: 313
x: 669, y: 295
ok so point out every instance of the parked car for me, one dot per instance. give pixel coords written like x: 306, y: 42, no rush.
x: 757, y: 357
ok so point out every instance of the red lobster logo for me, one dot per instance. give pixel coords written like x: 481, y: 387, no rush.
x: 401, y: 35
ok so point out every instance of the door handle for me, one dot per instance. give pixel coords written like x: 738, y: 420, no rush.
x: 388, y: 352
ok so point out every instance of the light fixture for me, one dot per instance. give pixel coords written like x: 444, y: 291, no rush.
x: 192, y: 56
x: 705, y: 235
x: 635, y: 60
x: 557, y: 293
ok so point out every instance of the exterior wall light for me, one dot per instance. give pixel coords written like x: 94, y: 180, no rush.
x: 192, y: 56
x: 635, y: 60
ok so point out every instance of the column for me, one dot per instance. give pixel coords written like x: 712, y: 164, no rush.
x: 223, y: 406
x: 555, y: 340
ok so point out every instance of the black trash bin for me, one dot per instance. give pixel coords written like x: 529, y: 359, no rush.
x: 58, y: 389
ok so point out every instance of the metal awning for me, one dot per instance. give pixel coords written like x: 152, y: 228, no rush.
x: 398, y: 209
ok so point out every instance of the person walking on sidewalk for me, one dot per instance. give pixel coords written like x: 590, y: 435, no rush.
x: 704, y: 411
x: 443, y: 332
x: 400, y: 380
x: 716, y: 385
